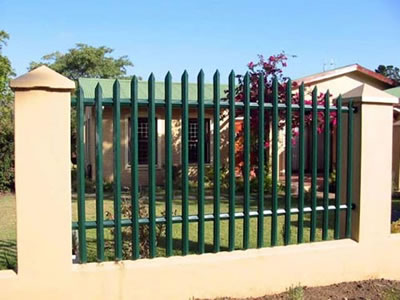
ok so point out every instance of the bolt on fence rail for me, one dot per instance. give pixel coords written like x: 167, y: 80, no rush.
x: 280, y: 110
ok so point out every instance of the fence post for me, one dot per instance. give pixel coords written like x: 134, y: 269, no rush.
x: 372, y: 165
x: 43, y: 171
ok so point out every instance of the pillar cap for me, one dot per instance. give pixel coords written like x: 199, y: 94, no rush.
x: 42, y: 78
x: 369, y: 94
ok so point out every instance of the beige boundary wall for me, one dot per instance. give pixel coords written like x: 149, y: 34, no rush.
x: 45, y: 270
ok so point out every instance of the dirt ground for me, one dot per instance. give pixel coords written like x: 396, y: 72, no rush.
x: 356, y: 290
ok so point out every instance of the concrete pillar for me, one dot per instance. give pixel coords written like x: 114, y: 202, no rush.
x: 372, y: 168
x: 43, y: 172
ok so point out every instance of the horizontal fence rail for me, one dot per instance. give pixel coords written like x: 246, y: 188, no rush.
x: 211, y: 217
x: 208, y: 103
x: 271, y: 113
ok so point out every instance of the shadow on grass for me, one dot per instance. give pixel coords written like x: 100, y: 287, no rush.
x: 8, y: 255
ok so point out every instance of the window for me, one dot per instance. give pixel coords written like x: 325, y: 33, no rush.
x: 143, y: 134
x: 193, y: 140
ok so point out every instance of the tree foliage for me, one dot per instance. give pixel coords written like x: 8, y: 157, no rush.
x: 86, y: 61
x: 389, y: 71
x: 6, y: 120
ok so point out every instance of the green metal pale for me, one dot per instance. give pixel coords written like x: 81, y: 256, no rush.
x: 168, y: 164
x: 99, y: 175
x: 80, y: 113
x: 327, y: 138
x: 314, y: 164
x: 200, y: 160
x: 339, y: 146
x: 217, y: 162
x: 349, y: 190
x: 300, y: 231
x: 275, y: 138
x: 261, y: 158
x: 185, y: 164
x: 134, y: 168
x: 288, y: 162
x: 152, y: 166
x: 246, y: 160
x: 232, y: 166
x: 117, y: 170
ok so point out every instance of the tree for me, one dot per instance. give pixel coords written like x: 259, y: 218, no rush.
x: 84, y: 61
x: 390, y: 72
x: 6, y: 120
x: 271, y: 68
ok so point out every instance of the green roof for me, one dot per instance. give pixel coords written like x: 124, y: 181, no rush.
x: 89, y: 84
x: 394, y: 91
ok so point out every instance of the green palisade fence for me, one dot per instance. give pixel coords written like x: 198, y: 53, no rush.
x: 276, y: 208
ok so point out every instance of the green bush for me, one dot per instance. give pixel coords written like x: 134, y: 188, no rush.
x: 396, y: 227
x: 6, y: 120
x: 295, y: 293
x: 224, y: 180
x: 6, y: 160
x: 90, y: 185
x: 267, y: 183
x: 332, y: 182
x: 144, y: 230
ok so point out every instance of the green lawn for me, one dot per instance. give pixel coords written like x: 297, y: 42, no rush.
x: 8, y: 225
x: 91, y: 234
x: 8, y: 228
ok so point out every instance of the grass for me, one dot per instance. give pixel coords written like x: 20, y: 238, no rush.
x: 295, y: 293
x: 91, y: 234
x: 8, y: 228
x: 8, y: 225
x: 391, y: 294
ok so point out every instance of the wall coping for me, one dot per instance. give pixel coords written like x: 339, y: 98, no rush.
x: 42, y: 78
x: 369, y: 94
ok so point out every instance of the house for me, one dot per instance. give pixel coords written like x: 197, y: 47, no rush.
x: 396, y: 139
x: 88, y: 85
x: 338, y: 81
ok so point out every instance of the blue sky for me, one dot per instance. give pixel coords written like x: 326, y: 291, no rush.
x: 175, y: 35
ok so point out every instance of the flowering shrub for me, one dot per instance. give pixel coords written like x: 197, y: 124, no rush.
x: 271, y: 68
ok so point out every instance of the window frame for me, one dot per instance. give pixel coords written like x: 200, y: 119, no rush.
x: 207, y: 150
x: 129, y: 130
